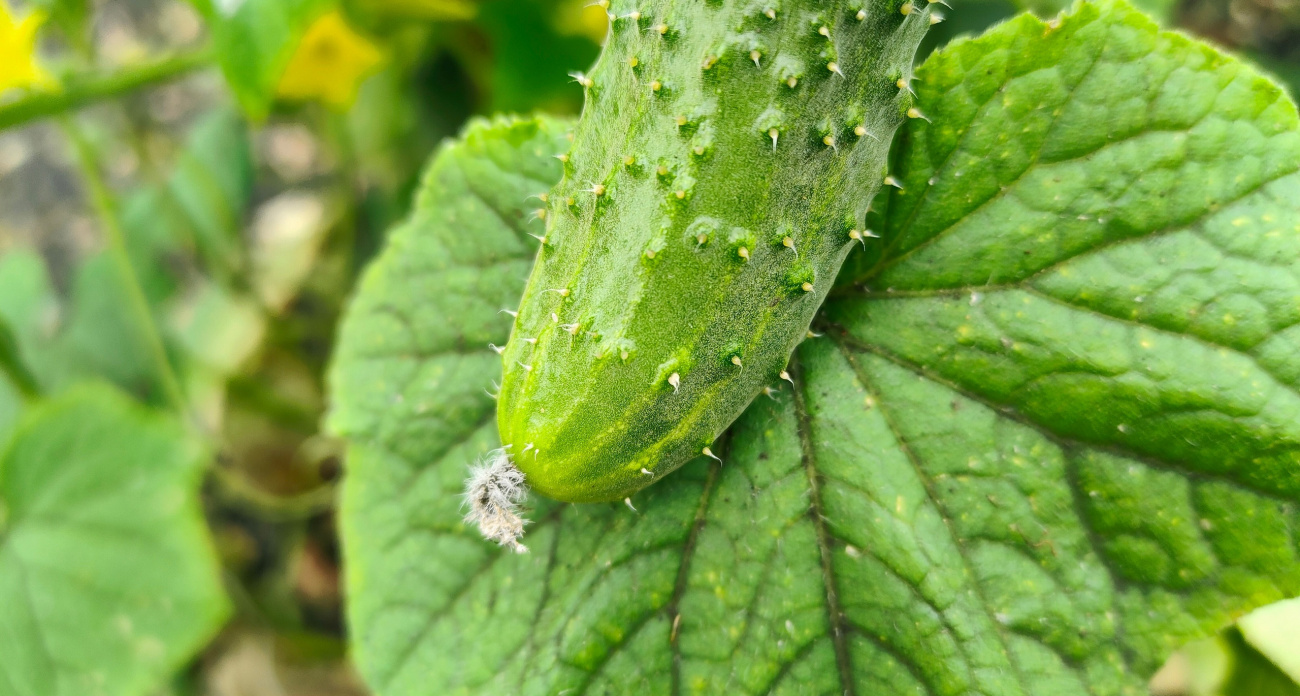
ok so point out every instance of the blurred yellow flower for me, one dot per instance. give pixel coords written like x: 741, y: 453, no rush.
x: 329, y: 63
x: 18, y: 68
x: 582, y: 18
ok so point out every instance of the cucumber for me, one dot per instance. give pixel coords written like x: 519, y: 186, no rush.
x: 719, y: 175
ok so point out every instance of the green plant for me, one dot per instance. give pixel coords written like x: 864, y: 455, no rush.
x: 97, y: 500
x: 170, y: 272
x: 1041, y: 435
x: 1047, y: 438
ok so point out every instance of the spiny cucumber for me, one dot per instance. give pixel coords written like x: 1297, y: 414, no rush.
x: 718, y: 177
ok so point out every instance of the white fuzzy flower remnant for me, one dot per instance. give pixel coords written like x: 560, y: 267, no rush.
x: 493, y: 492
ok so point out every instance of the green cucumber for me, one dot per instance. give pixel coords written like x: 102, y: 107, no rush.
x: 719, y: 175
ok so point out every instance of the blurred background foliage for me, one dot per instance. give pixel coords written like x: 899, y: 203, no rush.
x: 188, y: 191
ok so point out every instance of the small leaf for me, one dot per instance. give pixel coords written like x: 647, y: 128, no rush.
x: 255, y: 40
x: 30, y: 308
x: 70, y: 16
x: 11, y: 407
x: 12, y: 364
x: 210, y: 184
x: 101, y: 337
x: 107, y: 576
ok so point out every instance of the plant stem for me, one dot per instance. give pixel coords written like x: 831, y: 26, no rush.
x: 81, y: 90
x: 102, y: 199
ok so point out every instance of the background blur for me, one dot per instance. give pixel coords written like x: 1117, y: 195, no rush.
x: 247, y: 235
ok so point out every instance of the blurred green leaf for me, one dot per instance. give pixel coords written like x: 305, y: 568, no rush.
x: 22, y: 300
x: 254, y: 40
x: 159, y: 237
x: 70, y: 16
x: 532, y: 55
x: 26, y: 293
x: 217, y: 328
x: 101, y: 338
x: 212, y: 182
x: 30, y: 309
x: 17, y: 383
x: 1160, y: 10
x: 199, y: 209
x: 12, y: 404
x: 107, y: 577
x: 12, y: 364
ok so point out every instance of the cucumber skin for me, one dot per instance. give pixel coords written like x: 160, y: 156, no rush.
x: 665, y: 248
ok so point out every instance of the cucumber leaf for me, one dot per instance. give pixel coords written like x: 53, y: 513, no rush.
x: 409, y: 387
x: 255, y: 40
x: 107, y: 577
x: 1050, y: 433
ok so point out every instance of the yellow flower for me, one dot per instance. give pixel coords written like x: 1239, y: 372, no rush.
x: 329, y: 63
x: 18, y: 68
x: 582, y: 18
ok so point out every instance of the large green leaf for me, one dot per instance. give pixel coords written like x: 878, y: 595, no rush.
x: 1097, y: 240
x: 1051, y: 433
x: 107, y: 577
